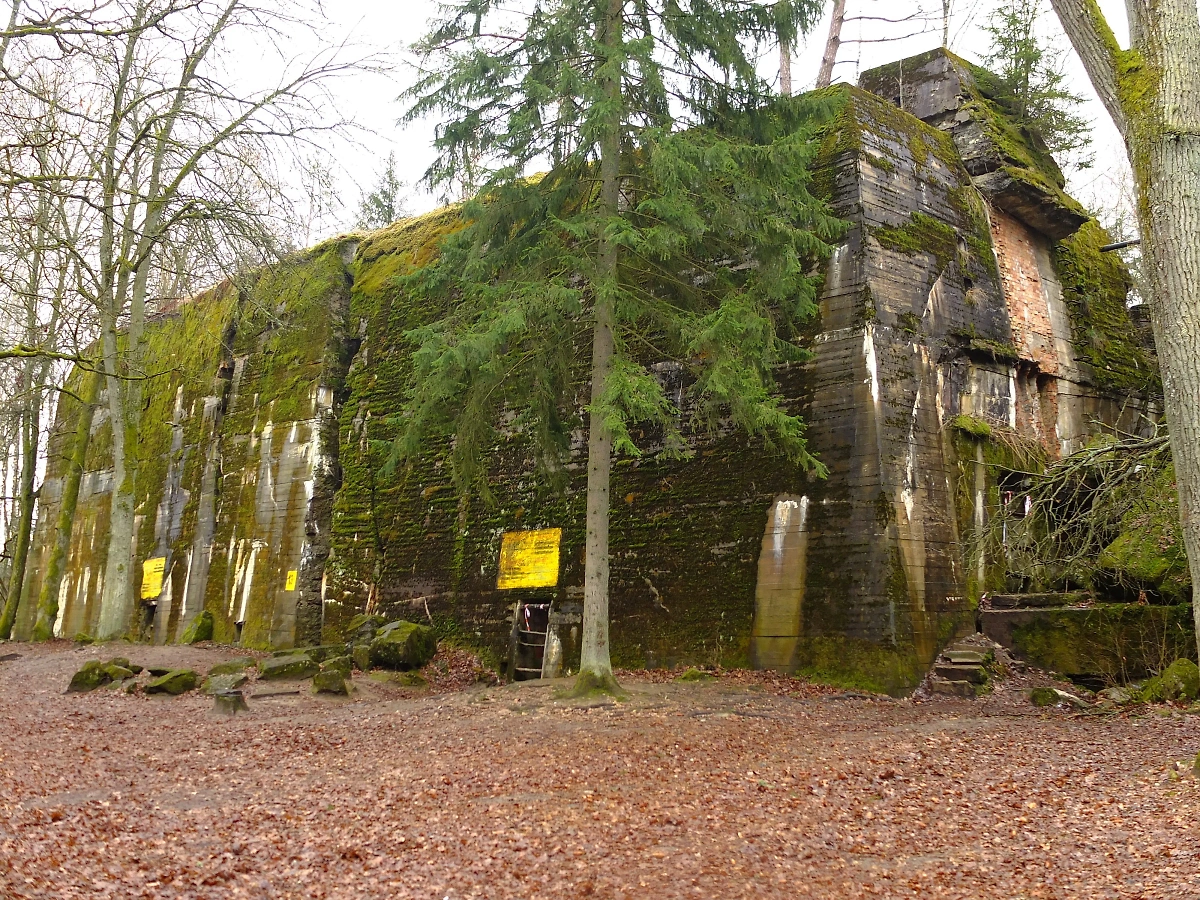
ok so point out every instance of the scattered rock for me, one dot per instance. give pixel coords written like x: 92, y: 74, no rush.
x: 361, y: 654
x: 124, y: 663
x: 229, y: 703
x: 295, y: 665
x: 200, y: 629
x: 1048, y: 696
x: 403, y: 645
x: 330, y: 681
x: 362, y: 628
x: 233, y: 666
x: 316, y: 654
x: 1119, y: 696
x: 157, y: 671
x: 176, y: 681
x: 695, y: 674
x: 224, y: 683
x: 90, y: 676
x: 341, y: 664
x: 117, y: 673
x: 1178, y: 681
x: 83, y: 638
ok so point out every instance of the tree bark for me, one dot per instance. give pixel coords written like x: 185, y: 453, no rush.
x: 832, y: 43
x: 47, y: 608
x: 785, y: 68
x: 595, y: 669
x: 1151, y: 92
x: 25, y: 499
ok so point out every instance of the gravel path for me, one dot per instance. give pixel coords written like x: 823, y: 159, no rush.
x: 750, y: 786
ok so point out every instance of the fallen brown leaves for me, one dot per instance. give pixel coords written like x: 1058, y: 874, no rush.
x: 752, y: 786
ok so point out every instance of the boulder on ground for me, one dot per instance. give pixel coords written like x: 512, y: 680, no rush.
x: 341, y: 664
x: 316, y: 654
x: 295, y: 665
x: 1048, y: 696
x: 362, y: 627
x: 124, y: 663
x: 157, y: 671
x: 230, y: 703
x: 1118, y: 695
x: 361, y: 654
x: 117, y: 673
x: 177, y: 681
x: 233, y: 666
x: 90, y: 676
x: 330, y: 681
x: 403, y: 645
x: 223, y: 684
x: 200, y: 629
x: 83, y: 637
x: 1178, y: 681
x: 695, y: 674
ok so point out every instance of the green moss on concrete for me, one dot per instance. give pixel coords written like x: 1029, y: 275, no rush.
x: 1118, y: 641
x: 921, y: 234
x: 1095, y: 288
x: 850, y: 663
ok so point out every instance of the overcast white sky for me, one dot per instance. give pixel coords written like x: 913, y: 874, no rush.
x: 391, y: 26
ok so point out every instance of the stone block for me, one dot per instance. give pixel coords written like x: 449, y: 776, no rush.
x: 233, y: 666
x: 223, y: 684
x: 952, y: 672
x: 177, y: 681
x: 200, y: 629
x: 295, y: 665
x: 330, y: 681
x: 403, y: 645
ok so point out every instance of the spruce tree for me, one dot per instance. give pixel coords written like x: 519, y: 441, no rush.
x: 640, y: 191
x: 385, y: 204
x: 1033, y: 81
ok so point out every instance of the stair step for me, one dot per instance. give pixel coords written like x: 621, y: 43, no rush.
x: 951, y: 688
x: 953, y: 672
x: 968, y: 657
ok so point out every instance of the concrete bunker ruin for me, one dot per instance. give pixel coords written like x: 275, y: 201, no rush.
x: 968, y: 302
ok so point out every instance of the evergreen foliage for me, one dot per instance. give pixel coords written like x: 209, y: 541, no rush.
x: 1031, y: 79
x: 673, y: 222
x: 385, y: 204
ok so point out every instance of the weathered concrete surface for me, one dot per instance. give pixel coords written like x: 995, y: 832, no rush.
x: 953, y: 334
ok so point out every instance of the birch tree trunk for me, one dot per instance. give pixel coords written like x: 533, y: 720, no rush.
x: 595, y: 668
x: 1152, y: 92
x: 832, y: 43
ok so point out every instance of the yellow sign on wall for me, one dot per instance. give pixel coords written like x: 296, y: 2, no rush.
x: 529, y: 559
x: 152, y: 577
x: 291, y: 580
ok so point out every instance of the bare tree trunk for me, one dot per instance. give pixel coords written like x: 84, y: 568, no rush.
x: 47, y: 608
x: 595, y: 669
x: 1150, y: 90
x: 825, y: 76
x: 25, y: 499
x: 946, y: 23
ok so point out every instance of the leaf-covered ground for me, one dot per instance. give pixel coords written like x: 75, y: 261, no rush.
x: 749, y: 786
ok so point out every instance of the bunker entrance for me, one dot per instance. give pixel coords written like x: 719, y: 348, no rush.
x: 545, y: 639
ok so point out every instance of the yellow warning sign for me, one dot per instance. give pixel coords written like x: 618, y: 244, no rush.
x: 291, y: 580
x: 152, y: 577
x: 529, y: 559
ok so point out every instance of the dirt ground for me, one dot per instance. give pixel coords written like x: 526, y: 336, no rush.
x: 749, y: 786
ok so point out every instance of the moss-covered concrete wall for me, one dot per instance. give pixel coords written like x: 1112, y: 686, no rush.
x: 267, y: 437
x: 230, y: 453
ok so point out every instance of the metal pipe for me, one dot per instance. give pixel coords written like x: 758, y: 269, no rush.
x: 1120, y: 245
